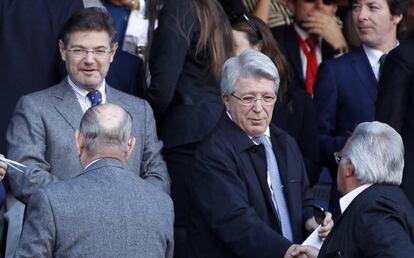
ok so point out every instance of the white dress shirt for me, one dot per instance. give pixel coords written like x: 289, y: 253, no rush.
x: 349, y: 197
x: 304, y: 35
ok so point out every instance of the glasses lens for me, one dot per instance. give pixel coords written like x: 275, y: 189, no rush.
x: 325, y: 2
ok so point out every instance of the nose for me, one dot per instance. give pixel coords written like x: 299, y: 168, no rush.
x: 258, y: 105
x: 89, y: 57
x: 362, y: 14
x: 318, y: 4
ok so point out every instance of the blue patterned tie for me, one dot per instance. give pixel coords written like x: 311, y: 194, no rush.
x: 278, y: 196
x: 95, y: 97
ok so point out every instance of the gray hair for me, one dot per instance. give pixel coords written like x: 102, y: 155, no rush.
x: 249, y: 64
x: 377, y: 153
x: 104, y: 125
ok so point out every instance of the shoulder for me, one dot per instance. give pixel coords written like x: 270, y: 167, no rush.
x: 37, y: 98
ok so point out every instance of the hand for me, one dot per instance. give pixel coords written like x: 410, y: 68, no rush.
x: 291, y: 250
x: 325, y: 228
x: 325, y: 26
x: 305, y: 251
x: 3, y: 168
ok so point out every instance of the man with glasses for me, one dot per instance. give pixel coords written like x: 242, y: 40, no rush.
x: 43, y: 125
x: 377, y: 218
x: 250, y: 192
x: 315, y: 36
x: 346, y: 87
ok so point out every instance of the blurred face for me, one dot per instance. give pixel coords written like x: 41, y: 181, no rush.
x: 302, y: 8
x: 252, y: 119
x: 375, y: 25
x: 241, y: 42
x: 87, y: 57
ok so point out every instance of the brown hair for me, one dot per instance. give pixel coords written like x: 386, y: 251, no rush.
x: 215, y: 31
x: 261, y: 34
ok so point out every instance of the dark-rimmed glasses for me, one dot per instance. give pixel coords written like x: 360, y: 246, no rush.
x: 83, y: 52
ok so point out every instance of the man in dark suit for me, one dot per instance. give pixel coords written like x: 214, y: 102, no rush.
x: 346, y: 87
x: 241, y: 206
x: 42, y: 127
x: 377, y: 219
x: 315, y: 36
x: 395, y: 104
x: 105, y: 211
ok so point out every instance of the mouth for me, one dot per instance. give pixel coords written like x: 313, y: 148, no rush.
x: 364, y: 29
x: 88, y: 71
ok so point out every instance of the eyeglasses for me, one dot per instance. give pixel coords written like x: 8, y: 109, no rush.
x: 325, y: 2
x: 245, y: 18
x: 250, y: 100
x: 82, y: 52
x: 338, y: 157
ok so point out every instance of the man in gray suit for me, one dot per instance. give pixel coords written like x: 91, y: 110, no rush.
x: 43, y: 124
x: 107, y: 210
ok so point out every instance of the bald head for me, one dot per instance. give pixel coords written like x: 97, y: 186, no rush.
x: 105, y: 130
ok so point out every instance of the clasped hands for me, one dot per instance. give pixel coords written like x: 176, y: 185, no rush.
x: 299, y: 251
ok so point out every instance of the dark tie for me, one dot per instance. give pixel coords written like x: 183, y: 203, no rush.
x: 278, y: 196
x: 95, y: 97
x: 381, y: 62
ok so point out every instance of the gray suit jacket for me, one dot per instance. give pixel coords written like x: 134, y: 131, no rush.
x: 106, y: 211
x: 42, y: 130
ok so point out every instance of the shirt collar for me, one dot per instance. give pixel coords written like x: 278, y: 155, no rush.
x: 304, y: 35
x: 81, y: 92
x: 374, y: 54
x: 346, y: 200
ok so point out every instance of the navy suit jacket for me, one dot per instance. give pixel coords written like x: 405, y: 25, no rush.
x: 379, y: 222
x: 345, y: 94
x: 233, y: 214
x: 395, y: 105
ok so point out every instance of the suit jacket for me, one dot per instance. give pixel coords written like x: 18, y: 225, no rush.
x: 345, y: 94
x: 395, y: 104
x: 183, y: 93
x: 42, y: 129
x: 106, y: 211
x: 379, y: 222
x: 233, y: 212
x: 288, y: 43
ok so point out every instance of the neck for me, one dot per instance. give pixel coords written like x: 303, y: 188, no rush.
x: 87, y: 158
x: 385, y: 47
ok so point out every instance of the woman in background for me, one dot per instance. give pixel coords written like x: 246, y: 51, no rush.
x: 187, y: 51
x: 294, y: 111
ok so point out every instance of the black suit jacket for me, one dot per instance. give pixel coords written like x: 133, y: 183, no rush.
x: 183, y: 93
x: 233, y: 212
x: 395, y: 104
x: 288, y: 43
x: 378, y: 223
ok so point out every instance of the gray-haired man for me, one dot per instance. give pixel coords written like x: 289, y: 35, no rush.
x: 246, y: 202
x: 377, y: 218
x: 106, y: 211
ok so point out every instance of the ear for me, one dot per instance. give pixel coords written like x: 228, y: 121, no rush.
x: 258, y: 46
x: 113, y: 51
x: 130, y: 147
x: 79, y: 142
x: 397, y: 18
x: 349, y: 169
x: 62, y: 50
x: 226, y: 101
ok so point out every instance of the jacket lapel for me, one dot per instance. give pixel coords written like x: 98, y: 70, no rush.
x: 67, y: 104
x: 363, y: 69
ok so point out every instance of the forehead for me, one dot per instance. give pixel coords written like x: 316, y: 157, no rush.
x: 371, y: 2
x: 251, y: 85
x: 89, y: 38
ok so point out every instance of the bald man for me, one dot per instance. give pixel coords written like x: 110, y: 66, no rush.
x: 107, y: 210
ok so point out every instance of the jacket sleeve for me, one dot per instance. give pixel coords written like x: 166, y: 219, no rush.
x: 39, y: 232
x: 153, y: 167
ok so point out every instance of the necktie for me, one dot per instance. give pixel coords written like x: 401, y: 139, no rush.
x: 309, y: 48
x: 278, y: 196
x: 95, y: 97
x: 381, y: 62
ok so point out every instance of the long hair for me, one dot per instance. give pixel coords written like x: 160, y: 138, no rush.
x: 215, y: 31
x: 261, y: 34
